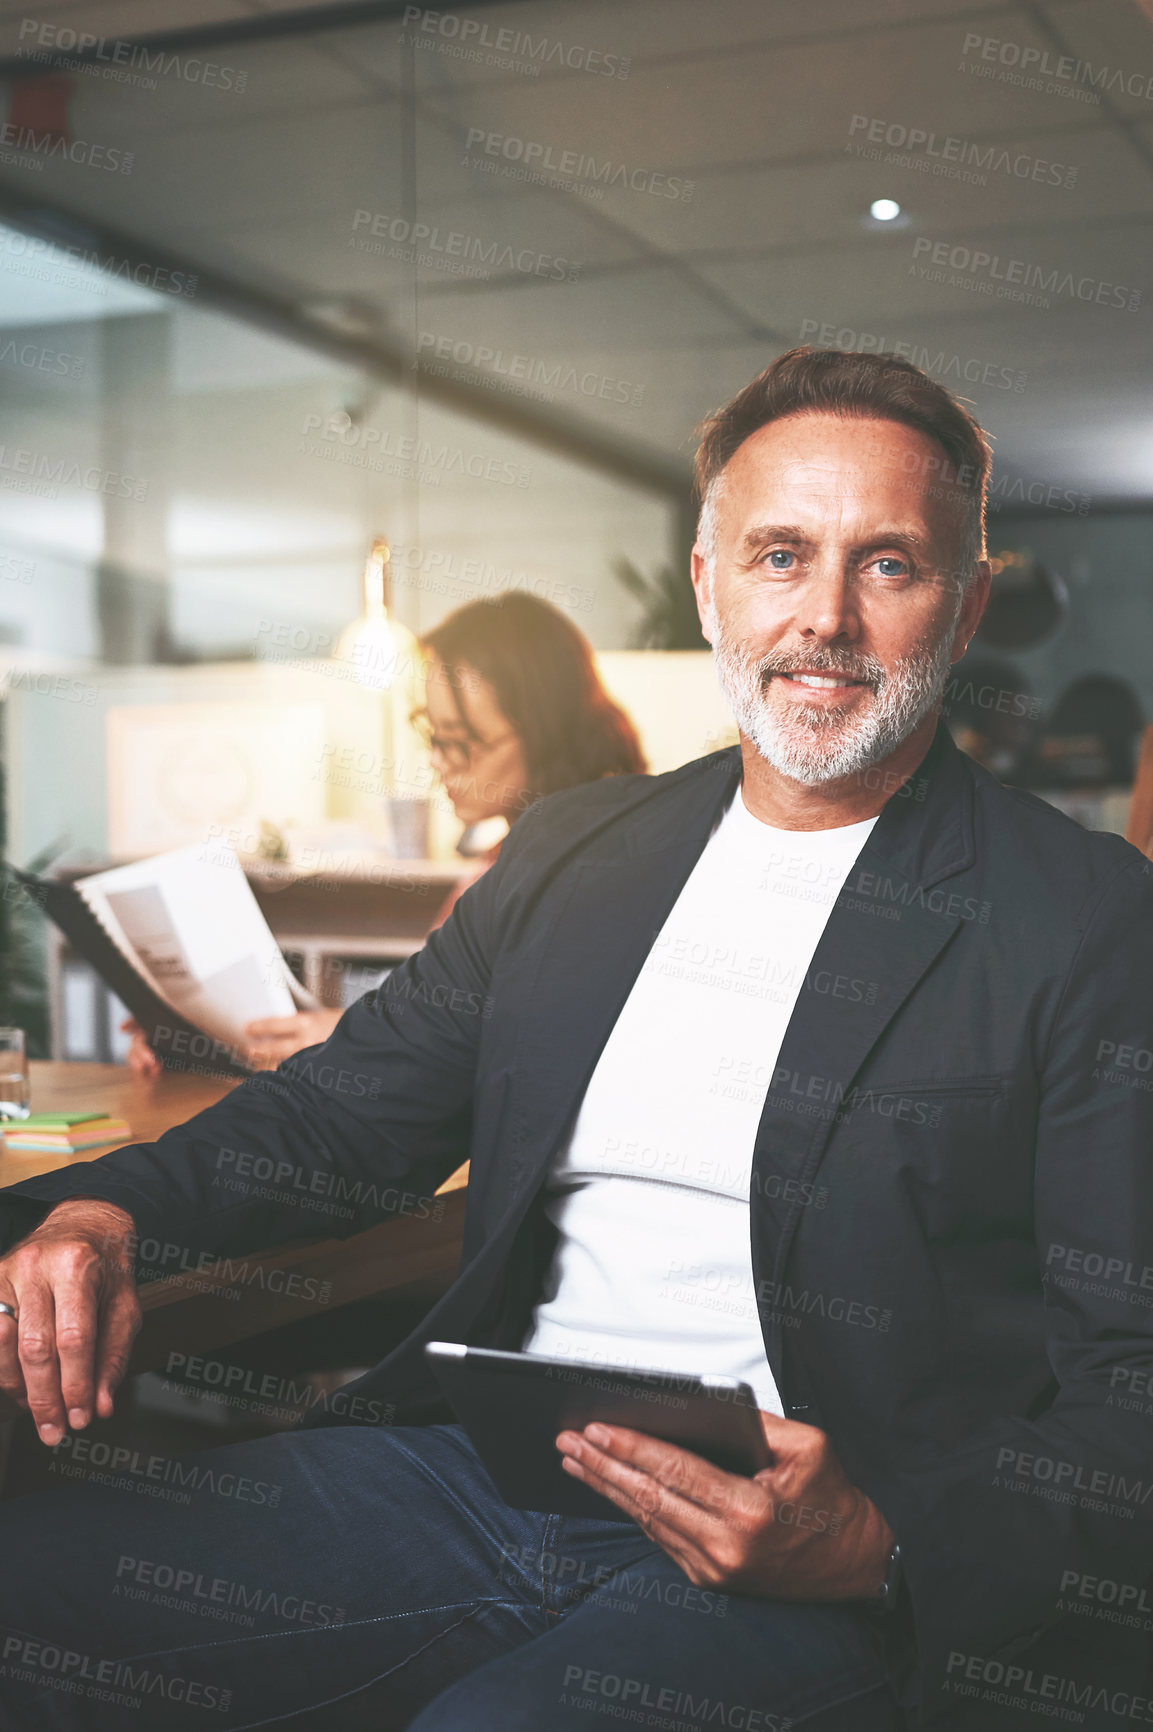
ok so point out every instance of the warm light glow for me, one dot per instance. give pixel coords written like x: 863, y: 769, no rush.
x: 1007, y: 561
x: 376, y: 579
x: 372, y: 643
x: 371, y: 648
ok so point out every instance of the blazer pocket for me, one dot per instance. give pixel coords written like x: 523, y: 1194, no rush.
x: 924, y: 1101
x: 952, y: 1144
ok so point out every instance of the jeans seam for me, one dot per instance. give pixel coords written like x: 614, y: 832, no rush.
x: 477, y: 1604
x: 468, y: 1510
x: 548, y: 1549
x: 48, y: 1694
x: 272, y: 1720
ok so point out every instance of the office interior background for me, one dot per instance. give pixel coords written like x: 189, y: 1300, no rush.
x: 278, y: 279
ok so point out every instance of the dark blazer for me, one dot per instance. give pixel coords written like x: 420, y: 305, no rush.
x: 952, y: 1199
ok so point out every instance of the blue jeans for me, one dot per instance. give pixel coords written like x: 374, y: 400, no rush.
x: 350, y: 1578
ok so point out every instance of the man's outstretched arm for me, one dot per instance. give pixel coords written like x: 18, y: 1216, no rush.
x: 343, y: 1136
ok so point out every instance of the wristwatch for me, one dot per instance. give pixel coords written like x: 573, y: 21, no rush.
x: 891, y: 1586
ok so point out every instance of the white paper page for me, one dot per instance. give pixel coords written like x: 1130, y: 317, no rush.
x: 189, y: 921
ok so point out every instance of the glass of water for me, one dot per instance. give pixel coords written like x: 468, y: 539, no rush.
x: 15, y: 1092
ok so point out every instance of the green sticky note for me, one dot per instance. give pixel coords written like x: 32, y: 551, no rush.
x: 59, y: 1121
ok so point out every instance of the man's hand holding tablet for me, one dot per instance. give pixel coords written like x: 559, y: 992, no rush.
x: 741, y: 1499
x: 797, y: 1530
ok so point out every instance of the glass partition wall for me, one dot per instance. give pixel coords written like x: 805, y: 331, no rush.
x: 274, y: 284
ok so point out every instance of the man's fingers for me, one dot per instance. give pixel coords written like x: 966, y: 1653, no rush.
x: 684, y: 1548
x: 77, y: 1322
x: 77, y: 1263
x: 11, y: 1376
x: 119, y: 1326
x: 669, y: 1498
x: 727, y: 1496
x: 38, y: 1361
x: 625, y: 1490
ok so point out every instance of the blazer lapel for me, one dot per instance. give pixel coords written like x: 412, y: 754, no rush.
x: 888, y: 926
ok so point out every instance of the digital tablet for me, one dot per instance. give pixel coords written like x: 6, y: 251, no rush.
x: 513, y: 1405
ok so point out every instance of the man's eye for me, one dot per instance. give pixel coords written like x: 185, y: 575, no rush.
x: 781, y: 559
x: 890, y: 566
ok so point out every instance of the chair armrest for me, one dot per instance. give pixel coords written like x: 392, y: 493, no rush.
x: 196, y: 1312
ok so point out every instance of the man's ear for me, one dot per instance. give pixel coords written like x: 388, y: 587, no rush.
x: 703, y: 590
x: 973, y: 604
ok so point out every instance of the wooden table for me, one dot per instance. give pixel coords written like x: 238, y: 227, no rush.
x: 151, y: 1105
x: 410, y: 1257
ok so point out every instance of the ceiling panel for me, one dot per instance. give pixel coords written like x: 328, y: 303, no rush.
x: 653, y: 33
x: 677, y: 292
x: 979, y: 271
x: 129, y: 18
x: 1112, y: 44
x: 814, y: 203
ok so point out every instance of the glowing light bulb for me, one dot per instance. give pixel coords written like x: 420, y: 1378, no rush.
x: 884, y: 209
x: 373, y: 643
x: 374, y: 654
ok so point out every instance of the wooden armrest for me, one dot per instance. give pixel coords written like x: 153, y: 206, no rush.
x: 413, y: 1256
x: 243, y: 1296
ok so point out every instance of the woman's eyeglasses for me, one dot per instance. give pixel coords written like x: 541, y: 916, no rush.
x: 455, y: 753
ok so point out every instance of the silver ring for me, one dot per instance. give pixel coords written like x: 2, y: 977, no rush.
x: 7, y: 1310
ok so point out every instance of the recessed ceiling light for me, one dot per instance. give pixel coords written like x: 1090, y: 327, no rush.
x: 884, y: 209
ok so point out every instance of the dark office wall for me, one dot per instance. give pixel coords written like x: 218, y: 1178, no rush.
x: 1105, y: 560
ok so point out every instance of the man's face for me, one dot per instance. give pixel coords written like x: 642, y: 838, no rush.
x: 834, y: 605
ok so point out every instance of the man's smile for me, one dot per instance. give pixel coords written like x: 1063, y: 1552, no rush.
x: 818, y: 687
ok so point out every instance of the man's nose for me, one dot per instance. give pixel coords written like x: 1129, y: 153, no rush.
x: 827, y: 603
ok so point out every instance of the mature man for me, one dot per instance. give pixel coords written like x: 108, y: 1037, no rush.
x: 812, y: 1062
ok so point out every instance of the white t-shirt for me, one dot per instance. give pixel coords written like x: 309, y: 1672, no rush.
x: 653, y: 1266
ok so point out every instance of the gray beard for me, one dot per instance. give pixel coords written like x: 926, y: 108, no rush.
x: 827, y: 745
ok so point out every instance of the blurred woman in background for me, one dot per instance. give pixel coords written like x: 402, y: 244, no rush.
x: 514, y: 709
